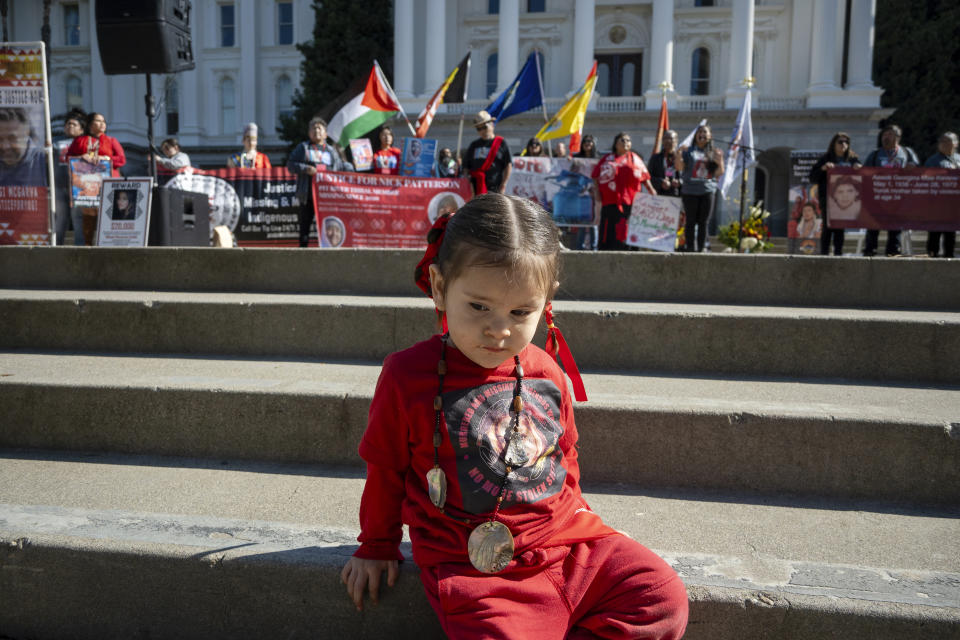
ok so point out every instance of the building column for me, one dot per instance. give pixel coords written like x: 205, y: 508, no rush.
x: 584, y: 18
x: 98, y: 80
x: 860, y: 60
x: 403, y: 48
x: 247, y: 80
x: 436, y: 46
x: 661, y: 53
x: 190, y: 87
x: 509, y: 47
x: 741, y: 53
x: 823, y: 90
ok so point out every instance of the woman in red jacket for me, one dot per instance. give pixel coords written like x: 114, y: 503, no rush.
x: 97, y: 145
x: 619, y: 175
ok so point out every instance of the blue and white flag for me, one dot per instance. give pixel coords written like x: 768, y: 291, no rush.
x: 523, y: 94
x: 742, y: 137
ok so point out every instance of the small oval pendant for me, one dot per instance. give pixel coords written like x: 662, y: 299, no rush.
x: 437, y: 487
x: 490, y: 547
x: 516, y: 455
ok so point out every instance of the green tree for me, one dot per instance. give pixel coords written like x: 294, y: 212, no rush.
x: 917, y: 62
x: 347, y: 37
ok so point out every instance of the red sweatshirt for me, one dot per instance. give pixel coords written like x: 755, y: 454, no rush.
x: 542, y: 502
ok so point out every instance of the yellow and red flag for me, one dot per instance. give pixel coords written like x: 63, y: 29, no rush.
x: 568, y: 121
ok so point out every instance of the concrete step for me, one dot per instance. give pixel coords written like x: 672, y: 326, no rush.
x: 102, y: 546
x: 747, y: 434
x: 887, y: 345
x: 805, y: 281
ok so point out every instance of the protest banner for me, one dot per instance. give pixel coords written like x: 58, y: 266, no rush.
x: 653, y: 222
x: 362, y: 153
x: 560, y: 185
x: 26, y: 169
x: 880, y: 198
x: 124, y: 217
x: 372, y: 210
x: 419, y: 156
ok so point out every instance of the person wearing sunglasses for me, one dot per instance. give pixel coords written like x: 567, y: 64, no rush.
x: 488, y: 160
x: 839, y: 154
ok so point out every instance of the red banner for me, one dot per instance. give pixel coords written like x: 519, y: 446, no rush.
x: 371, y: 210
x: 23, y: 215
x: 880, y: 198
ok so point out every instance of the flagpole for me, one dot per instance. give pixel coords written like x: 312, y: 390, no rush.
x: 543, y: 104
x: 748, y: 84
x: 460, y: 138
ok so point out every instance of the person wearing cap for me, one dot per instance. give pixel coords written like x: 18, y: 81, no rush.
x: 249, y: 158
x: 488, y: 159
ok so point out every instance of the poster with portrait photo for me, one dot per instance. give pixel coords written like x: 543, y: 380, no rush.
x: 85, y: 181
x: 419, y: 156
x: 124, y: 218
x: 362, y: 153
x: 26, y: 166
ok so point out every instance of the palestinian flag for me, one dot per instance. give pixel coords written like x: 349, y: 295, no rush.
x: 366, y: 110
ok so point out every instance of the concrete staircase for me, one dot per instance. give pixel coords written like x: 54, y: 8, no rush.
x: 179, y: 431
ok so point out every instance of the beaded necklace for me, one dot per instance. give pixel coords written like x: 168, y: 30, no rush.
x: 490, y: 545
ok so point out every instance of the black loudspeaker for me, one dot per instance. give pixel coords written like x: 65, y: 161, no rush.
x: 179, y: 219
x: 144, y: 36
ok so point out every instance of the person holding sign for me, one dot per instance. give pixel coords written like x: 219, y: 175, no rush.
x: 700, y: 166
x: 946, y: 157
x: 839, y: 154
x: 93, y: 147
x: 619, y: 175
x: 488, y: 160
x: 892, y: 156
x: 386, y: 160
x: 305, y: 161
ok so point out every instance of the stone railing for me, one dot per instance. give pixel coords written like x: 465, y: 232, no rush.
x: 630, y: 104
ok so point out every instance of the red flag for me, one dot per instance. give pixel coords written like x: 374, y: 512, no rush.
x: 662, y: 125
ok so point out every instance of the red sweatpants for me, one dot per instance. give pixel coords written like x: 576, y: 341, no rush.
x: 613, y: 587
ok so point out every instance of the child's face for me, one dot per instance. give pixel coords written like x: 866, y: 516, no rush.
x: 845, y: 195
x: 491, y: 318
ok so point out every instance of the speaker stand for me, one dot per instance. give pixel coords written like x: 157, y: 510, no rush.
x: 151, y: 114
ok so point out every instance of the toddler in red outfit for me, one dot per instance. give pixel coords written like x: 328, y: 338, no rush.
x: 471, y: 442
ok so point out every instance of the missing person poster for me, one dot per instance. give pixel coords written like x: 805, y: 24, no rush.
x: 419, y: 156
x: 562, y: 186
x: 362, y: 154
x: 880, y: 198
x: 124, y: 218
x: 85, y: 181
x: 25, y: 167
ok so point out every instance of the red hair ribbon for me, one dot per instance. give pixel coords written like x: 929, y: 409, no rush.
x: 555, y: 344
x: 421, y: 274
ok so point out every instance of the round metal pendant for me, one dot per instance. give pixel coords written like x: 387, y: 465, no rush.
x: 437, y: 487
x: 490, y: 547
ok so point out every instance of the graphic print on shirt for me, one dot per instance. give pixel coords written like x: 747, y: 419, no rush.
x: 477, y: 421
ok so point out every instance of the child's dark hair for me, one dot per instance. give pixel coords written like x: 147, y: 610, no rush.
x: 842, y: 180
x: 494, y: 230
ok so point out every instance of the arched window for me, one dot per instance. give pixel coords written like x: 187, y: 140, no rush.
x: 536, y: 6
x: 284, y: 95
x: 171, y: 103
x: 74, y: 93
x: 700, y: 72
x: 228, y: 106
x: 703, y: 3
x: 493, y: 7
x: 492, y: 61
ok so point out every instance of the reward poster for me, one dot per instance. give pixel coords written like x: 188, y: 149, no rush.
x: 25, y: 167
x: 124, y: 218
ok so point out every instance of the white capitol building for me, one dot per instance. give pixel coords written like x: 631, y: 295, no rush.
x: 811, y: 60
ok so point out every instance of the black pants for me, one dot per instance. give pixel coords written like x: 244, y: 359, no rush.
x: 306, y: 219
x: 611, y: 216
x: 933, y: 243
x: 873, y: 240
x: 825, y: 236
x: 698, y: 210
